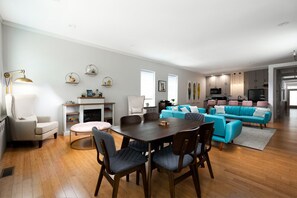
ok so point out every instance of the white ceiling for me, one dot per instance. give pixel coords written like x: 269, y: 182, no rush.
x: 206, y: 36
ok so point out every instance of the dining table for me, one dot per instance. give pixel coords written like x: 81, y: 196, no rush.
x: 150, y: 131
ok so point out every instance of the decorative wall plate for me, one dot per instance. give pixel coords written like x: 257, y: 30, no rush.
x: 72, y: 78
x: 91, y: 70
x: 107, y: 81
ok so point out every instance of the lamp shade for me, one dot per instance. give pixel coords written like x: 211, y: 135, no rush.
x: 23, y: 80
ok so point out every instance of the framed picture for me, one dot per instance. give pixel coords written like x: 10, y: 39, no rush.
x: 189, y: 92
x: 162, y: 86
x: 89, y: 93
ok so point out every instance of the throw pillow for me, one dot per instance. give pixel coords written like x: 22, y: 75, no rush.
x: 175, y: 108
x: 136, y: 110
x: 184, y: 109
x: 260, y: 112
x: 194, y: 109
x: 220, y: 109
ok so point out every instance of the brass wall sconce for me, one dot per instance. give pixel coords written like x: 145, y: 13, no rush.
x: 8, y: 78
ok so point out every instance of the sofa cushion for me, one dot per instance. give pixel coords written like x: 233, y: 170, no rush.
x: 247, y: 111
x: 45, y: 127
x: 253, y: 119
x: 234, y: 110
x: 185, y: 105
x: 260, y: 112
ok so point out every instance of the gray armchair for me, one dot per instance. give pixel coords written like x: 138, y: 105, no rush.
x: 135, y: 105
x: 24, y: 125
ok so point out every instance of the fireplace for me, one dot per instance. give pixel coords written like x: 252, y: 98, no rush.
x: 92, y: 115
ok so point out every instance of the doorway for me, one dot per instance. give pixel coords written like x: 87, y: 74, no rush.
x: 293, y: 98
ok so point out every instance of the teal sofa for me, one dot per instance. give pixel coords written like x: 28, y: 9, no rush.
x: 170, y: 113
x: 224, y: 132
x: 245, y: 114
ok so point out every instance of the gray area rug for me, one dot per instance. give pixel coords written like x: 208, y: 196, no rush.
x: 255, y: 138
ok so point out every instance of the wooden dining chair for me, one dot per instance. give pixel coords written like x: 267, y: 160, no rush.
x: 204, y: 145
x: 174, y: 158
x: 195, y: 117
x: 152, y: 116
x: 118, y: 163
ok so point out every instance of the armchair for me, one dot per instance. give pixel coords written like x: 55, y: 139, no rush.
x: 224, y: 132
x: 135, y: 105
x: 24, y: 125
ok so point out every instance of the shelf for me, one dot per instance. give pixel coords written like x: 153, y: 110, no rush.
x: 72, y: 113
x: 74, y: 83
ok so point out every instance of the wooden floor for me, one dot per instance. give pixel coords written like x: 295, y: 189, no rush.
x: 56, y: 170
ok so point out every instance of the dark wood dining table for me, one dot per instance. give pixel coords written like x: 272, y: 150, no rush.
x: 151, y: 131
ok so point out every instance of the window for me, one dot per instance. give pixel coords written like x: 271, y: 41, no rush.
x: 147, y: 86
x: 173, y: 88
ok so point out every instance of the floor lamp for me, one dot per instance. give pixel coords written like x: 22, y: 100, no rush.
x: 8, y: 78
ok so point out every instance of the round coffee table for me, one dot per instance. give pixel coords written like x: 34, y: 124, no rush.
x: 86, y: 128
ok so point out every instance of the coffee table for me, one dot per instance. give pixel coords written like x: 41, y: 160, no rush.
x: 86, y: 128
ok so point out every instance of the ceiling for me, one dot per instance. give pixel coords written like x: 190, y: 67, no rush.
x: 205, y: 36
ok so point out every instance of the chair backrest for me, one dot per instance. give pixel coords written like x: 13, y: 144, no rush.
x: 205, y: 135
x: 247, y: 103
x: 135, y: 104
x: 131, y: 119
x: 221, y: 102
x: 20, y: 106
x: 262, y: 104
x: 194, y: 116
x: 153, y: 116
x: 233, y: 103
x: 211, y: 102
x: 105, y: 146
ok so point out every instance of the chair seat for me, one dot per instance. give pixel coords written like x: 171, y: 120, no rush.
x: 126, y: 159
x: 168, y: 160
x: 138, y: 146
x: 45, y: 127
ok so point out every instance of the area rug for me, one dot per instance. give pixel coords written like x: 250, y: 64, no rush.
x: 255, y: 138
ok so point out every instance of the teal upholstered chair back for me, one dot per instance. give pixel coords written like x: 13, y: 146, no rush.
x: 234, y: 110
x: 219, y: 124
x: 247, y: 111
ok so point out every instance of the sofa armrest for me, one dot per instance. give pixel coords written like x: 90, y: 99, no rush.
x: 22, y: 129
x: 202, y: 110
x: 43, y: 119
x: 233, y: 129
x: 212, y: 111
x: 166, y: 114
x: 267, y: 117
x: 179, y: 114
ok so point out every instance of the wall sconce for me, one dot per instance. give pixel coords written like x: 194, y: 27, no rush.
x: 8, y: 78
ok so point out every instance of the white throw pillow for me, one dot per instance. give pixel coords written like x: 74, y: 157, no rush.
x: 136, y: 110
x: 220, y: 109
x: 174, y: 108
x: 184, y: 109
x: 194, y: 109
x: 260, y: 112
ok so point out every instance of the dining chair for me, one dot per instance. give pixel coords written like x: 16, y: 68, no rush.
x: 118, y: 163
x: 151, y: 116
x: 195, y: 117
x: 179, y: 155
x: 247, y: 103
x: 204, y: 145
x: 233, y: 103
x: 221, y: 102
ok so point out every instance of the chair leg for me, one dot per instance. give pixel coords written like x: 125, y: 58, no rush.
x: 137, y: 177
x: 144, y: 181
x: 195, y: 177
x: 171, y: 185
x: 261, y: 126
x: 265, y: 125
x: 99, y: 180
x: 127, y: 178
x: 201, y: 160
x: 115, y: 186
x: 209, y: 166
x: 221, y: 146
x: 55, y: 135
x: 40, y: 143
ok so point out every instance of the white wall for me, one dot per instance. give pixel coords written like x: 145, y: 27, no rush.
x: 48, y: 59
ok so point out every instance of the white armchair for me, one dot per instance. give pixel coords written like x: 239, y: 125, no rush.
x: 24, y: 125
x: 135, y: 105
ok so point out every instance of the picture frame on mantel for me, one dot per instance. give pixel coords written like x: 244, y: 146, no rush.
x: 162, y: 86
